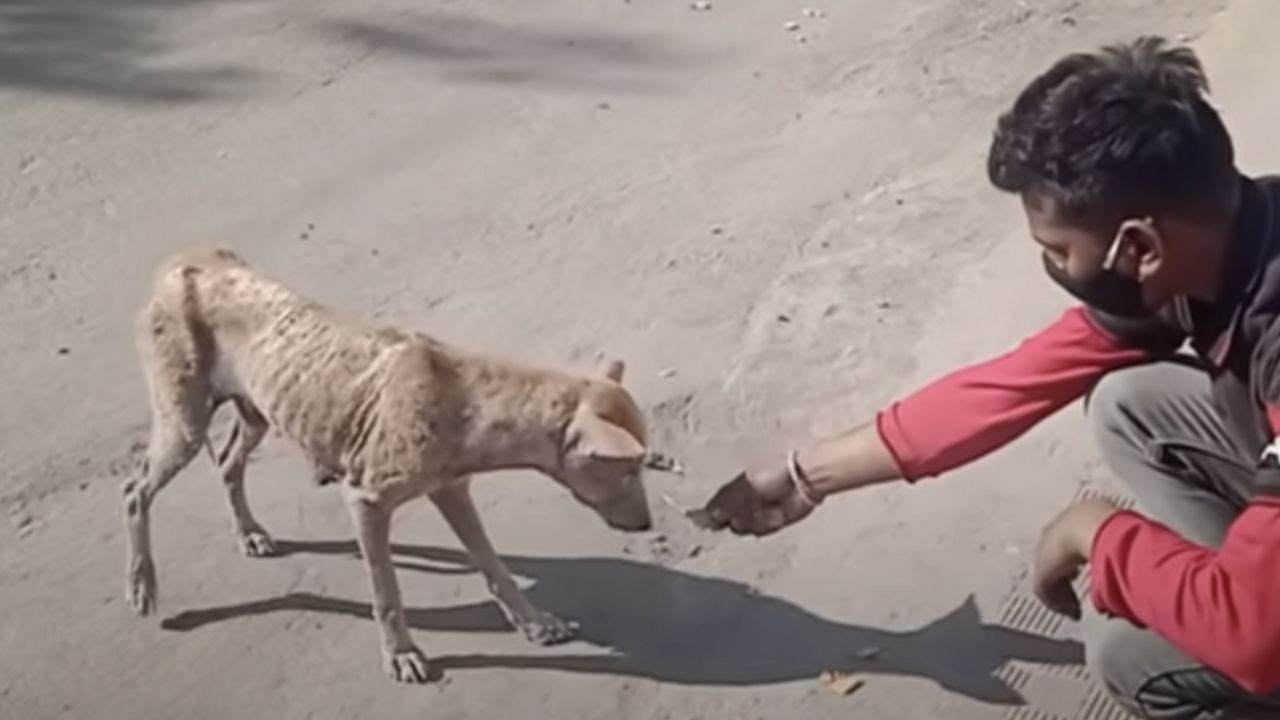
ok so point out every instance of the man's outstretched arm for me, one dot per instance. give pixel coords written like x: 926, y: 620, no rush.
x: 948, y: 423
x: 967, y: 414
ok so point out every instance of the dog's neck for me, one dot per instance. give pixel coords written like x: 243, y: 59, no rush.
x: 515, y: 417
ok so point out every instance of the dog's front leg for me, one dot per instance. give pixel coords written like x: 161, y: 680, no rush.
x: 454, y: 502
x: 401, y: 658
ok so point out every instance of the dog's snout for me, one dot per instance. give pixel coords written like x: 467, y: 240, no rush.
x: 630, y: 512
x: 638, y: 523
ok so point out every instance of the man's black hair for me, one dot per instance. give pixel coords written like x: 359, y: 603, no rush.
x: 1123, y: 130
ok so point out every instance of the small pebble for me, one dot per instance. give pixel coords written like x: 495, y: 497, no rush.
x: 604, y: 106
x: 700, y: 5
x: 784, y: 318
x: 1069, y: 20
x: 64, y: 351
x: 663, y: 463
x: 841, y: 683
x: 791, y: 26
x: 868, y: 653
x: 717, y: 231
x: 659, y: 547
x: 668, y: 373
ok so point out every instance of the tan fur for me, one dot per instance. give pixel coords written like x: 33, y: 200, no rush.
x: 389, y: 414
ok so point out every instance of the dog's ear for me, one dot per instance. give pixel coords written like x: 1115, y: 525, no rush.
x: 613, y: 370
x: 594, y: 437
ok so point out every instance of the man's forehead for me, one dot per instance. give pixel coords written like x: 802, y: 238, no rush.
x: 1043, y: 210
x: 1051, y: 226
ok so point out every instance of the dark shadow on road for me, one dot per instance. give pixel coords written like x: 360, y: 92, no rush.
x: 475, y: 49
x: 120, y: 50
x: 675, y: 627
x: 102, y: 48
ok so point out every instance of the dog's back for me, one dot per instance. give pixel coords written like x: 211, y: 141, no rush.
x: 226, y: 332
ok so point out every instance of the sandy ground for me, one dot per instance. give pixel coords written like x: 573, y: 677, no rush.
x: 779, y: 230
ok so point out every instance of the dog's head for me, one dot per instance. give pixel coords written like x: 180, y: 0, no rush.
x: 604, y: 452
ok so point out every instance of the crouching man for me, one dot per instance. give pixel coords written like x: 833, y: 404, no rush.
x: 1128, y: 180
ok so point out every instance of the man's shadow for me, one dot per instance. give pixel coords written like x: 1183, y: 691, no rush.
x: 674, y: 627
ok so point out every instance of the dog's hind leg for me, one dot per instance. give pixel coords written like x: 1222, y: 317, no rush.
x: 180, y: 409
x: 246, y: 434
x: 455, y: 504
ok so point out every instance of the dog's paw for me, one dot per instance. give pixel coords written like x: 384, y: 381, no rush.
x: 257, y: 544
x: 140, y: 587
x: 549, y: 630
x: 410, y: 666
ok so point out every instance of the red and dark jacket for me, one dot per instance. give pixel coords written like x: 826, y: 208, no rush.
x: 1220, y: 606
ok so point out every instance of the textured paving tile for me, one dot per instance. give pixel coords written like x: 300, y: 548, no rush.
x: 1055, y: 692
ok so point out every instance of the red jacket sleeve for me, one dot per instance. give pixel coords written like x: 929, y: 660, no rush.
x: 973, y: 411
x: 1221, y: 608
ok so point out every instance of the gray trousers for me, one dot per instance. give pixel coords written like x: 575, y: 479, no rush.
x: 1160, y: 434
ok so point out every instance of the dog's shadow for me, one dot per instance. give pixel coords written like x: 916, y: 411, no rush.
x: 674, y: 627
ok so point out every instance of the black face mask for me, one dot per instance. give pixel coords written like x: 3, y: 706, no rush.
x: 1106, y: 291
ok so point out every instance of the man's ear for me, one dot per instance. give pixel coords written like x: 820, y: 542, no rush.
x: 1145, y: 244
x: 613, y: 370
x: 592, y: 436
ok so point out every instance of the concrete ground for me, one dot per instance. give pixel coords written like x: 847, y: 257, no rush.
x: 780, y: 230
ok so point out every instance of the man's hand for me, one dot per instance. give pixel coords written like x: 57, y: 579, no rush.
x: 765, y: 499
x: 1064, y: 548
x: 757, y: 502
